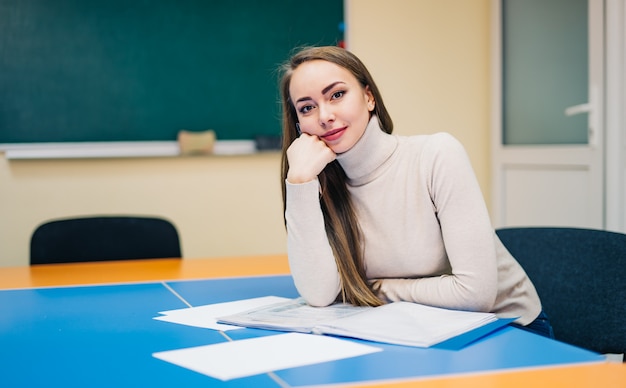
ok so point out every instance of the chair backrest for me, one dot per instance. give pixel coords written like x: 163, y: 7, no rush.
x: 580, y: 275
x: 103, y: 238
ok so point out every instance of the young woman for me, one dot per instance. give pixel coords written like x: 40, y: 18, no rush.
x: 372, y: 217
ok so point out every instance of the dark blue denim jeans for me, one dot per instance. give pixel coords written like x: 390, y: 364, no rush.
x: 541, y: 325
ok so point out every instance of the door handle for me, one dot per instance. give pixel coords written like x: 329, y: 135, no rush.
x: 578, y: 109
x: 590, y: 108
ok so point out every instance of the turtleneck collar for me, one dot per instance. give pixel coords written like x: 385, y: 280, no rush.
x: 369, y: 153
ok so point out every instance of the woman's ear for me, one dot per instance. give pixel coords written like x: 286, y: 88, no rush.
x: 371, y: 103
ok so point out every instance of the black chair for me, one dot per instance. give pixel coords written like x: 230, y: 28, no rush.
x: 580, y: 275
x: 103, y: 238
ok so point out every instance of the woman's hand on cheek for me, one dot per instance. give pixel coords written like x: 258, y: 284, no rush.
x: 307, y: 155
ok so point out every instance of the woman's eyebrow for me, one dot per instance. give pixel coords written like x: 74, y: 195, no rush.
x: 327, y: 88
x: 303, y: 99
x: 324, y: 91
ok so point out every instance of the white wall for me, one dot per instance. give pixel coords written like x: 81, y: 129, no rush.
x: 616, y: 116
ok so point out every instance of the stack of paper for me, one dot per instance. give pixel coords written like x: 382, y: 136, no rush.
x: 409, y: 324
x: 291, y: 315
x: 400, y: 323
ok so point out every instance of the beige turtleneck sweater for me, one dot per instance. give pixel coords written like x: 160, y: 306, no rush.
x: 426, y: 230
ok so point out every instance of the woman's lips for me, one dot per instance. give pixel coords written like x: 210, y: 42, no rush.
x: 334, y: 134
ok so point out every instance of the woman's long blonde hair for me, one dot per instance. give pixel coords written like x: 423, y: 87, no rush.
x: 342, y: 227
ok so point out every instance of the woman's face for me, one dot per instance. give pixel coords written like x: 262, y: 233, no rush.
x: 330, y: 103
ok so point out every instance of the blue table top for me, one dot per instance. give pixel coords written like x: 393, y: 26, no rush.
x: 105, y: 336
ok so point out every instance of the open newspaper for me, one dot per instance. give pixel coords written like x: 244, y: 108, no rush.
x: 400, y: 323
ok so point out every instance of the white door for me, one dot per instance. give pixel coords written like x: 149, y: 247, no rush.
x: 547, y: 113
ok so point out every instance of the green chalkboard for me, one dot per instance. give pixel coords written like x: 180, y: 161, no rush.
x: 120, y: 70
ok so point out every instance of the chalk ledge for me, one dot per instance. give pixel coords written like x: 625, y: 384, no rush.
x: 130, y: 149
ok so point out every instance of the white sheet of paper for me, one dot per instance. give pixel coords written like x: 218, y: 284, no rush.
x: 248, y: 357
x: 206, y: 316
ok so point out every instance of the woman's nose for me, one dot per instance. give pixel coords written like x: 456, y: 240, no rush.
x: 326, y: 115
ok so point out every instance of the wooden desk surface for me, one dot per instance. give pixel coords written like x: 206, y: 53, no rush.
x: 603, y: 375
x: 140, y: 271
x: 586, y: 375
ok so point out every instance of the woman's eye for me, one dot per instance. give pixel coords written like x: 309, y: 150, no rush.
x: 305, y: 109
x: 337, y: 95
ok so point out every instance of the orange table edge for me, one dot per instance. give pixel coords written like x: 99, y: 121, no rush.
x: 133, y: 271
x: 604, y: 375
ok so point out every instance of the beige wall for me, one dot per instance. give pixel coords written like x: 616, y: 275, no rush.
x: 222, y: 206
x: 430, y: 58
